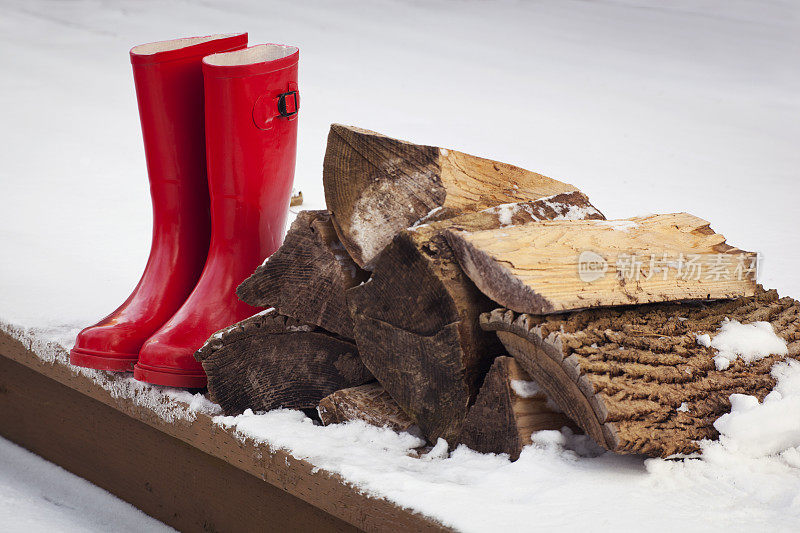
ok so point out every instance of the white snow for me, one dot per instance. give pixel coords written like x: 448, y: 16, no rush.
x: 647, y: 106
x: 525, y: 389
x: 683, y: 408
x: 617, y: 225
x: 750, y: 342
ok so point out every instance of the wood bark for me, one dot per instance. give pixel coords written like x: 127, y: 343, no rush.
x: 502, y: 419
x: 377, y: 186
x: 635, y: 378
x: 542, y: 268
x: 370, y: 403
x: 270, y: 361
x: 306, y: 278
x: 416, y: 319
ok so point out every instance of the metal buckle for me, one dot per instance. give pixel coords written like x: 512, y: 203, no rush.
x: 282, y: 104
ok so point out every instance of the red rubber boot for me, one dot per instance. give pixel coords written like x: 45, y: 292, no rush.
x: 169, y: 89
x: 251, y: 104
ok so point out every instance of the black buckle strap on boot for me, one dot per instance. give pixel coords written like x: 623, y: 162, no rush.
x: 283, y: 108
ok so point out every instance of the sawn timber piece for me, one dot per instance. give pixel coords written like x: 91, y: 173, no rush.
x: 416, y: 319
x: 635, y: 378
x: 369, y: 403
x: 376, y: 186
x: 508, y: 409
x: 270, y: 360
x: 564, y: 265
x: 306, y: 278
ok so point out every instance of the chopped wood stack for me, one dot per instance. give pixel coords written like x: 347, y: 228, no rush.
x: 419, y: 303
x: 400, y: 279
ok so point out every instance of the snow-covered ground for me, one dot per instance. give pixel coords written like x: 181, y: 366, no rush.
x: 647, y: 106
x: 39, y: 496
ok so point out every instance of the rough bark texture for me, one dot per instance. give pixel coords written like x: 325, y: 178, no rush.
x: 416, y: 319
x: 377, y: 186
x: 370, y: 403
x: 306, y: 278
x: 622, y: 374
x: 270, y: 361
x: 541, y: 268
x: 501, y: 420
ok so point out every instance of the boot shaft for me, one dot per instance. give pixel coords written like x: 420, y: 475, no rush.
x: 251, y: 102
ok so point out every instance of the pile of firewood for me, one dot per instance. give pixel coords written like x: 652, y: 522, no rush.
x: 455, y: 293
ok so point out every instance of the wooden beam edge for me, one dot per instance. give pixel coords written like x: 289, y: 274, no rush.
x: 325, y: 490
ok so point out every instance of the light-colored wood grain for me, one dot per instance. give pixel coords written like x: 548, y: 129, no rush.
x: 534, y: 268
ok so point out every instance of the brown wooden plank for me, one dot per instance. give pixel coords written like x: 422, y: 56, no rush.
x: 161, y: 475
x: 323, y: 490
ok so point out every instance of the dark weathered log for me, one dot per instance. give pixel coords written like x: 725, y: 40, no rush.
x: 307, y: 276
x: 416, y: 319
x: 377, y: 186
x: 508, y: 409
x: 544, y: 267
x: 370, y: 403
x: 270, y: 361
x: 635, y: 379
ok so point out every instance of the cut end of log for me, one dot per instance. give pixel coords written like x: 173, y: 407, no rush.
x: 369, y: 403
x: 270, y: 361
x: 635, y: 379
x: 307, y: 276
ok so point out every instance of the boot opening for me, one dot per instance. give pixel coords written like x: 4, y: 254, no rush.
x: 177, y: 44
x: 261, y: 53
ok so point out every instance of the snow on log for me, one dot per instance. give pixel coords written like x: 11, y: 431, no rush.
x: 644, y: 379
x: 376, y: 186
x: 307, y: 276
x: 563, y: 265
x: 416, y: 319
x: 269, y: 361
x: 370, y: 403
x: 508, y: 409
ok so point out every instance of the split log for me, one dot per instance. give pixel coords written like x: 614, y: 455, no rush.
x: 508, y: 409
x: 370, y: 403
x: 635, y: 379
x: 416, y: 319
x: 556, y: 266
x: 307, y: 276
x: 376, y: 186
x: 269, y: 361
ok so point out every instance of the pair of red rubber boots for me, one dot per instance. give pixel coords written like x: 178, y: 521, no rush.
x: 219, y: 122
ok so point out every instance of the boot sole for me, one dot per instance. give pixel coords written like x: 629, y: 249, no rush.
x: 169, y: 377
x: 107, y: 361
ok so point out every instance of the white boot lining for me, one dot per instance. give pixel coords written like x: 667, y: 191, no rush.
x: 261, y: 53
x: 175, y: 44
